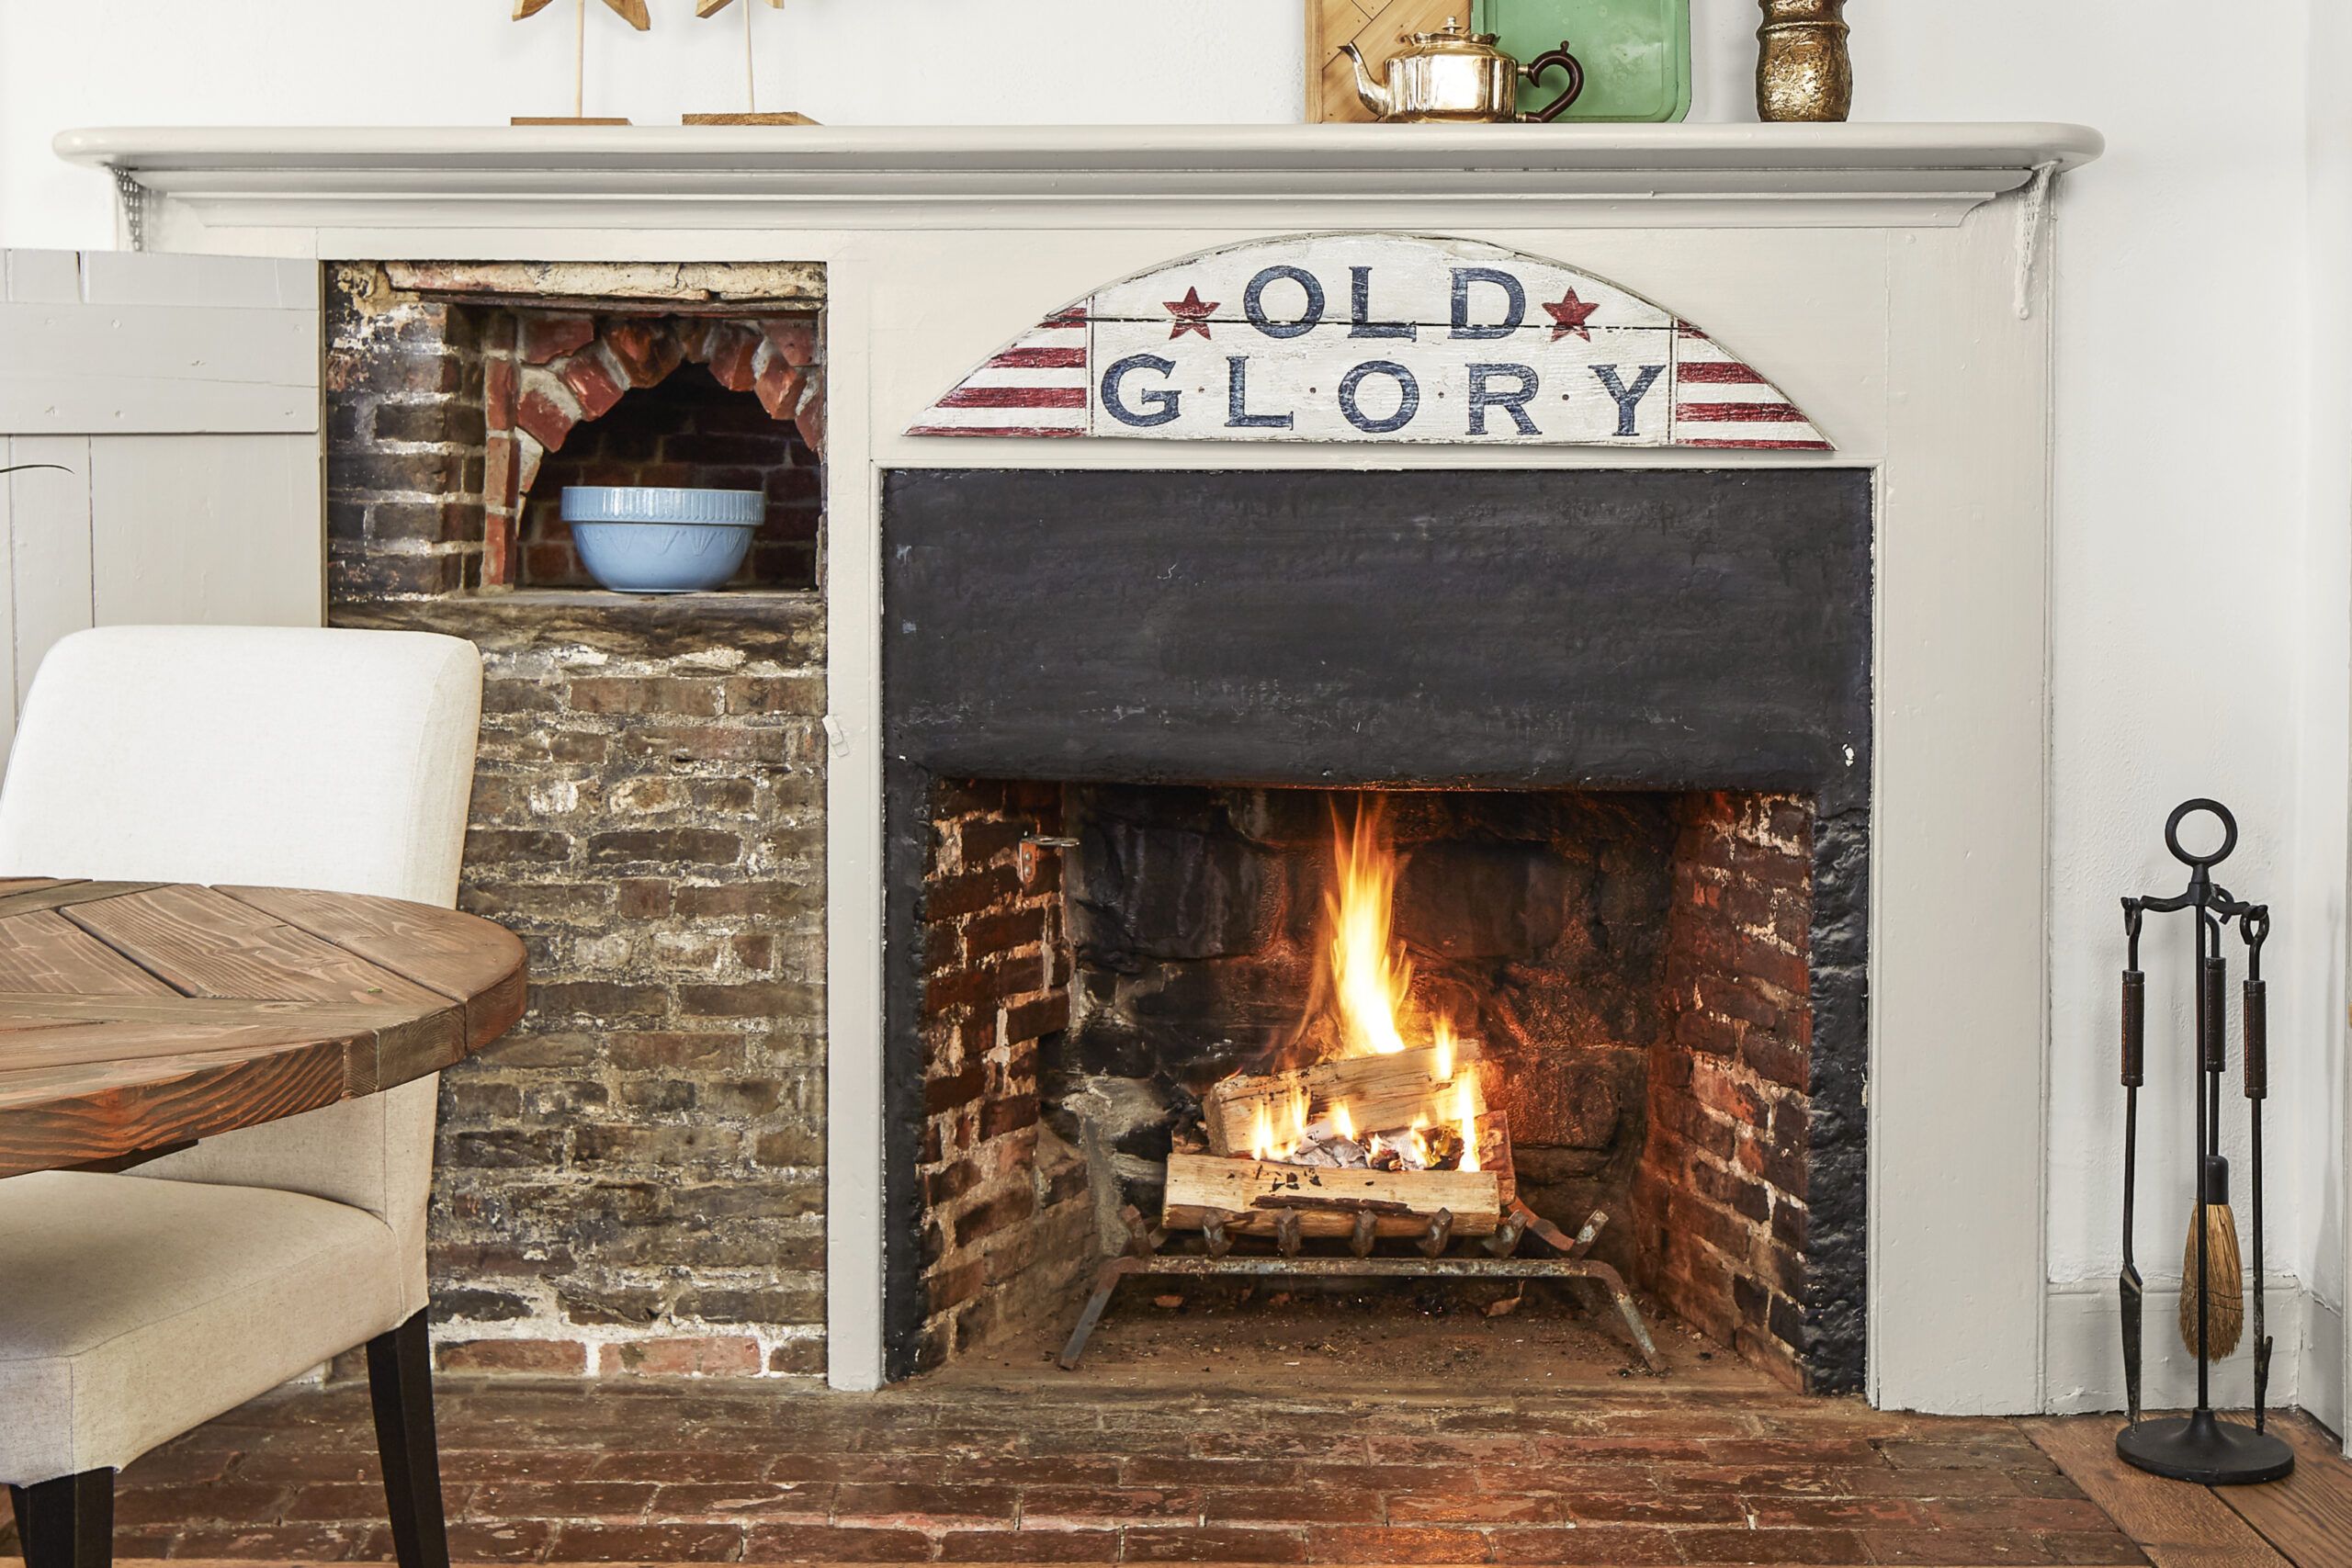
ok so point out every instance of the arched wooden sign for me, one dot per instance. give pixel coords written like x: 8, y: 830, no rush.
x: 1372, y: 337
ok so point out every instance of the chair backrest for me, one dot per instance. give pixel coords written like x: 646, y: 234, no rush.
x: 279, y: 756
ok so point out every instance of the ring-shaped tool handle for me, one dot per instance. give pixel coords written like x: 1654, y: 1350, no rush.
x: 2187, y: 808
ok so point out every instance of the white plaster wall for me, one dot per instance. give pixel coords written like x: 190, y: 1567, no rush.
x: 2204, y: 415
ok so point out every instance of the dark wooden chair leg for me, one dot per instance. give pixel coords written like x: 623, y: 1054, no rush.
x: 400, y: 1384
x: 68, y: 1522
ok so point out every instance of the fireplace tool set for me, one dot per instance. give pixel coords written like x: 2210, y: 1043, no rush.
x: 2199, y: 1447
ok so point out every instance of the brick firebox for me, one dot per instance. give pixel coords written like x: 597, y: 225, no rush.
x: 634, y: 1179
x: 1636, y: 967
x: 1720, y: 1197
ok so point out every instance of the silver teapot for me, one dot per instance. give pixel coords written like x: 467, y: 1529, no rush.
x: 1454, y: 74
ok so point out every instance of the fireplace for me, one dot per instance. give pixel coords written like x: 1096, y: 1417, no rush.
x: 1591, y: 742
x: 681, y: 1170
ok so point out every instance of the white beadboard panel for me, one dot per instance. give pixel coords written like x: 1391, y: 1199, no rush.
x: 7, y: 593
x: 41, y: 277
x: 181, y: 394
x: 119, y: 369
x: 48, y: 550
x: 206, y: 530
x: 128, y: 277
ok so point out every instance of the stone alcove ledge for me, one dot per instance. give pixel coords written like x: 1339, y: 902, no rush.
x: 1889, y: 174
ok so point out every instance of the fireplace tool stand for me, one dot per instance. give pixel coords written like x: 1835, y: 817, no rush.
x: 2199, y: 1447
x: 1144, y: 1256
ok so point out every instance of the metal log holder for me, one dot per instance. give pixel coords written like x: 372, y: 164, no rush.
x: 1217, y: 1259
x: 2199, y: 1447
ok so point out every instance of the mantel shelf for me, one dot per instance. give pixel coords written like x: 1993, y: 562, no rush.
x: 1002, y: 176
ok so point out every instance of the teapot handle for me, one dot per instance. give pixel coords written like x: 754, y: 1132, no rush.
x: 1544, y: 61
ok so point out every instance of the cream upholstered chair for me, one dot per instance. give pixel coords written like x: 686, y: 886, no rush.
x: 136, y: 1306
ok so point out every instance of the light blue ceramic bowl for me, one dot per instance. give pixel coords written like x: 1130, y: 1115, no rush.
x: 640, y: 539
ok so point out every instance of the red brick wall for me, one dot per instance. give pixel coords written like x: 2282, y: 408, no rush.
x: 545, y: 373
x: 1720, y: 1194
x: 685, y: 430
x: 1007, y: 1221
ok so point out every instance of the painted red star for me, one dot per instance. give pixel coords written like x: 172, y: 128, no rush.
x: 1570, y: 316
x: 1190, y: 313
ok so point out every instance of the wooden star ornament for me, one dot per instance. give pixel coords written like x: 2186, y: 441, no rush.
x: 712, y: 8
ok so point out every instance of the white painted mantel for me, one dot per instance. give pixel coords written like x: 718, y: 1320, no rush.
x: 1888, y: 277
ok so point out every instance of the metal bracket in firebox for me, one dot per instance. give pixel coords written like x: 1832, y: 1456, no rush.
x: 1144, y: 1257
x: 1026, y: 857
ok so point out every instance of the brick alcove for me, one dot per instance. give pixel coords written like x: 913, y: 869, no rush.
x: 449, y: 385
x: 633, y: 1180
x: 564, y: 368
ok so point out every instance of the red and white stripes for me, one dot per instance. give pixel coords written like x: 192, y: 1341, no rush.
x: 1720, y: 401
x: 1038, y: 386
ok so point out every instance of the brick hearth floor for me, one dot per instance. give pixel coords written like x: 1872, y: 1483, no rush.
x: 1017, y: 1466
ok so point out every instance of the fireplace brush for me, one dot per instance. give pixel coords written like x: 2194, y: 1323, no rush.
x: 2200, y: 1446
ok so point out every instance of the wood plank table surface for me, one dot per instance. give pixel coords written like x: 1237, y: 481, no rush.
x: 137, y: 1017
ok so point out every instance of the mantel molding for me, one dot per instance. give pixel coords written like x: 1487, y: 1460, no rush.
x: 1882, y: 176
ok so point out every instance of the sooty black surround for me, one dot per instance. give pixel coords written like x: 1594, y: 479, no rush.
x: 1514, y: 630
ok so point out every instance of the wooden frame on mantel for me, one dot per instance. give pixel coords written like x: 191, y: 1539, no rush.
x: 1372, y: 26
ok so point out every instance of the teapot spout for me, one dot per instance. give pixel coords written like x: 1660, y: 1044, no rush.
x: 1375, y: 95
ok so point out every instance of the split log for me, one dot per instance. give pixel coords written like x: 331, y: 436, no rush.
x: 1380, y: 1092
x: 1327, y: 1202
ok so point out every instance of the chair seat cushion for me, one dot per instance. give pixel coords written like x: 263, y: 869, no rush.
x: 133, y: 1310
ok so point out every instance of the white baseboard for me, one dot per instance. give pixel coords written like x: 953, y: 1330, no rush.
x: 2082, y: 1356
x: 2319, y: 1383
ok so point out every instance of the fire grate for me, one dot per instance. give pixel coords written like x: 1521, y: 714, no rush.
x: 1217, y: 1259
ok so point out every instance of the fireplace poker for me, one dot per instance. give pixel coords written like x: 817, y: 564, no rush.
x: 2255, y: 928
x: 2135, y: 1073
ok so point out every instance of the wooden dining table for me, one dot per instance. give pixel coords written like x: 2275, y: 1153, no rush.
x: 139, y: 1016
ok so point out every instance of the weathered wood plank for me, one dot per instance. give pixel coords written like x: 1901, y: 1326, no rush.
x: 49, y: 533
x: 468, y: 960
x: 199, y: 282
x: 41, y: 277
x: 1202, y: 1185
x: 219, y: 530
x: 65, y: 895
x: 209, y: 944
x: 384, y: 1046
x: 72, y: 1115
x: 42, y: 951
x: 75, y: 369
x: 1381, y: 1093
x: 2176, y: 1526
x: 2308, y: 1516
x: 101, y: 1057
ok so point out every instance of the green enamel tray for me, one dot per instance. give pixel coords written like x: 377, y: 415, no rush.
x: 1637, y: 54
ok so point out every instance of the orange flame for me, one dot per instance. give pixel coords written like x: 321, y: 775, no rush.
x: 1441, y: 1039
x: 1342, y: 1122
x: 1370, y: 974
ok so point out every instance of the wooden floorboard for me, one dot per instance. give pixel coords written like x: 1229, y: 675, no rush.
x: 2177, y: 1526
x: 2308, y: 1516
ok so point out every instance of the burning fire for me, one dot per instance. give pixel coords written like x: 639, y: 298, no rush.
x: 1364, y: 990
x: 1370, y: 974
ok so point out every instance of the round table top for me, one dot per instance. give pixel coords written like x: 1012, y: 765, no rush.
x: 136, y: 1017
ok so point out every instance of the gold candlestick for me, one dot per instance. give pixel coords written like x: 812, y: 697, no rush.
x: 1802, y: 69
